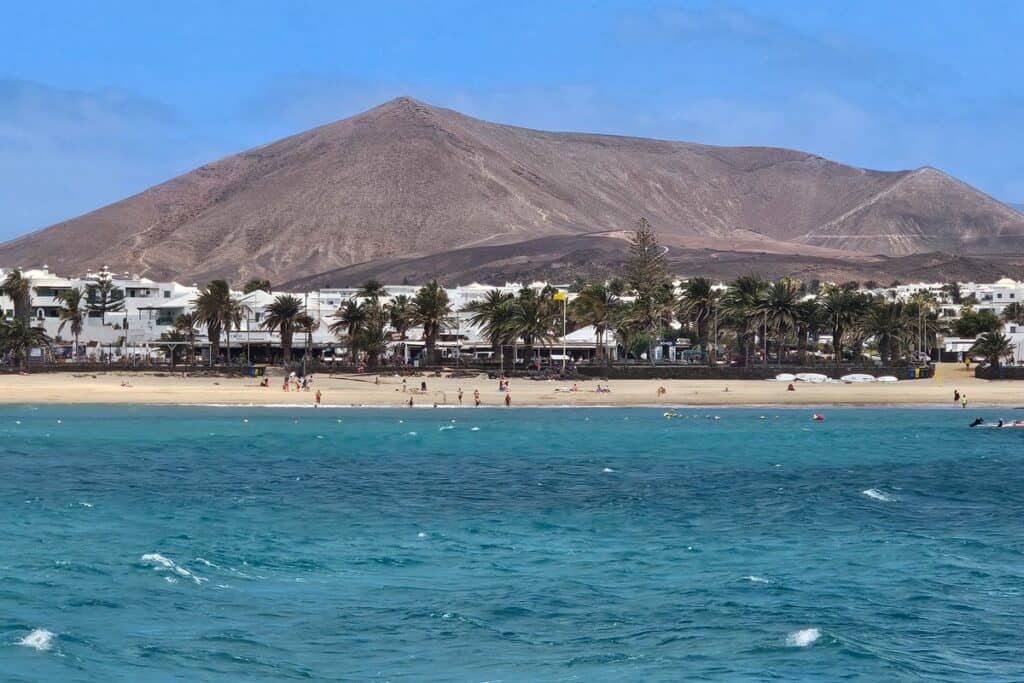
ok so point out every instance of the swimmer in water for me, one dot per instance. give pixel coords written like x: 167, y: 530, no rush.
x: 977, y: 421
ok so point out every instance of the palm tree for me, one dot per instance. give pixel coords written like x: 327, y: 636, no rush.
x: 372, y: 290
x: 372, y: 338
x: 186, y: 323
x: 697, y: 306
x: 843, y: 306
x: 995, y: 346
x: 257, y: 285
x: 532, y: 318
x: 810, y: 320
x: 400, y: 316
x: 307, y: 325
x: 350, y: 318
x: 72, y: 312
x: 219, y: 311
x: 17, y: 338
x: 888, y: 323
x: 741, y: 306
x: 595, y: 305
x: 19, y: 289
x: 493, y: 315
x: 172, y: 345
x: 1014, y: 313
x: 431, y: 310
x: 281, y: 315
x: 779, y: 304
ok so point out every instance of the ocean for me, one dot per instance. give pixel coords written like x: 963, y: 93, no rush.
x: 255, y: 544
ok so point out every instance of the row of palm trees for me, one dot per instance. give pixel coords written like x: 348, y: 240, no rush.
x: 362, y: 322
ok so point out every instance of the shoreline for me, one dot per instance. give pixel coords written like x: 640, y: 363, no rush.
x: 365, y: 391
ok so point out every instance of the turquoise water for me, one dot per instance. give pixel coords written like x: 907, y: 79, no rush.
x: 186, y: 544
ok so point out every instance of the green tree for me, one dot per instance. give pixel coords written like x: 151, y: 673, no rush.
x: 349, y: 319
x: 18, y: 338
x: 647, y: 276
x: 282, y: 315
x: 595, y: 305
x: 533, y: 318
x: 104, y: 296
x: 780, y: 306
x: 219, y: 311
x: 19, y: 288
x: 493, y: 315
x: 741, y: 306
x: 994, y: 346
x: 698, y: 303
x: 72, y: 313
x: 372, y: 290
x: 973, y: 323
x: 186, y: 324
x: 257, y: 285
x: 889, y: 324
x: 843, y: 306
x: 1014, y: 313
x: 431, y: 310
x: 172, y: 345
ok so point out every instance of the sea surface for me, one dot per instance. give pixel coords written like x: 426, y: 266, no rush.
x: 254, y: 544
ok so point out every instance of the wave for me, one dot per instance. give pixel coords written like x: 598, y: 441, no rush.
x: 875, y: 494
x: 607, y: 469
x: 39, y: 639
x: 161, y: 563
x: 756, y: 579
x: 803, y: 637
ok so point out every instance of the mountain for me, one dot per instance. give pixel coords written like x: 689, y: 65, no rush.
x: 407, y: 182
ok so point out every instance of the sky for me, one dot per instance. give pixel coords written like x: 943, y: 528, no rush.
x: 100, y: 100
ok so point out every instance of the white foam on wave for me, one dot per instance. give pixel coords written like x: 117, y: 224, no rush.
x: 161, y: 563
x: 39, y: 639
x: 607, y: 469
x: 756, y: 579
x: 875, y: 494
x: 803, y: 637
x: 445, y: 428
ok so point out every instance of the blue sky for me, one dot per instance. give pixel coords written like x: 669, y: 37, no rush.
x: 101, y: 100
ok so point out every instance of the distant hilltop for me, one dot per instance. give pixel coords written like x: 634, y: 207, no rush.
x: 411, y: 191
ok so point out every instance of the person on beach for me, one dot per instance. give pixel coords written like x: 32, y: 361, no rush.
x: 460, y: 396
x: 956, y: 396
x: 285, y: 385
x: 318, y: 397
x: 476, y: 397
x: 963, y: 400
x: 508, y: 398
x: 423, y: 387
x: 662, y: 391
x: 791, y: 387
x: 409, y: 402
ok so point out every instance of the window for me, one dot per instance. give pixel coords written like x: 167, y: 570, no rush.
x: 167, y: 294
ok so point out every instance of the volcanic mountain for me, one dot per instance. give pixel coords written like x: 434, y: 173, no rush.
x: 409, y: 183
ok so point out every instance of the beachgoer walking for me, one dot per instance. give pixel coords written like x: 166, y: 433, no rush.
x: 956, y: 396
x: 318, y: 397
x: 460, y: 396
x: 285, y: 385
x: 423, y: 386
x: 662, y: 391
x: 963, y: 400
x: 410, y: 402
x: 476, y: 397
x: 508, y: 398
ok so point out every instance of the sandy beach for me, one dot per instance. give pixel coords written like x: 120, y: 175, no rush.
x: 363, y: 390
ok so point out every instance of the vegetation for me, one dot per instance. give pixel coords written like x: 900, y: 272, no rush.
x: 432, y: 311
x: 994, y: 346
x: 186, y: 324
x: 19, y: 289
x: 284, y: 315
x: 257, y: 285
x: 72, y: 313
x: 104, y: 297
x: 18, y: 338
x: 218, y: 309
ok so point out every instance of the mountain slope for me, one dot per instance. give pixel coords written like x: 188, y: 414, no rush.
x: 409, y: 180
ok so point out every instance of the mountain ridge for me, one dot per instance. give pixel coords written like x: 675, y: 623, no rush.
x: 409, y: 180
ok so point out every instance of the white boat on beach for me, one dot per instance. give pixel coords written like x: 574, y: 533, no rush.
x: 812, y: 377
x: 858, y: 378
x: 888, y: 378
x: 784, y: 377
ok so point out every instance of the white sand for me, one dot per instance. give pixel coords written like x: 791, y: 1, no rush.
x: 362, y: 390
